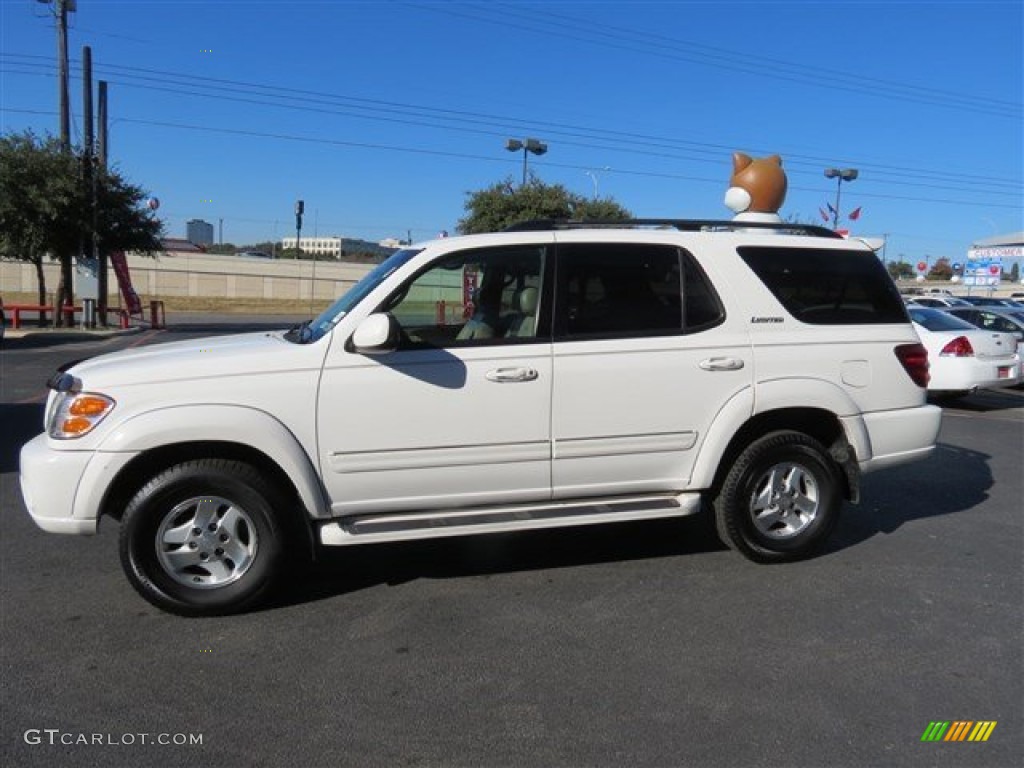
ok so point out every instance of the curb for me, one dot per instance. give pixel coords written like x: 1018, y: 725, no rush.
x: 71, y: 333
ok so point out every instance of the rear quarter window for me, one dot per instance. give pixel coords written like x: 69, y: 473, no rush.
x: 822, y: 286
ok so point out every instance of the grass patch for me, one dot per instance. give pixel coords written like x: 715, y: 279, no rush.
x: 211, y: 304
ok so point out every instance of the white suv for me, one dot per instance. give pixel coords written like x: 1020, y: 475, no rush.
x: 557, y: 374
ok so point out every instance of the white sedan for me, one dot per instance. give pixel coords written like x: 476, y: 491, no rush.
x: 963, y: 357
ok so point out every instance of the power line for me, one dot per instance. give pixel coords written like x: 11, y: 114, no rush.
x: 491, y: 159
x: 456, y: 120
x: 721, y: 58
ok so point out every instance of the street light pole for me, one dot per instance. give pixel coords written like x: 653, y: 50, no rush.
x: 840, y: 175
x: 534, y: 146
x: 593, y: 177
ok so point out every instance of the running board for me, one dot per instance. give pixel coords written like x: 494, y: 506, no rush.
x: 366, y: 529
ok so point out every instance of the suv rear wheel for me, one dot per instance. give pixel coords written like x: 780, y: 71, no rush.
x: 780, y: 500
x: 200, y: 538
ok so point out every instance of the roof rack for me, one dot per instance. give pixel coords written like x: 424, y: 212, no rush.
x: 682, y: 225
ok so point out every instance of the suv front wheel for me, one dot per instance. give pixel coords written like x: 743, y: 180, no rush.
x: 201, y: 539
x: 780, y: 500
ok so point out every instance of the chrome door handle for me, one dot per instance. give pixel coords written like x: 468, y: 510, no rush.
x: 721, y: 364
x: 511, y: 375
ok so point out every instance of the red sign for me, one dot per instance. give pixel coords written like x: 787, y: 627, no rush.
x: 124, y: 281
x: 922, y: 266
x: 469, y: 278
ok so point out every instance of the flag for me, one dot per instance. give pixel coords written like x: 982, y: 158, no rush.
x: 830, y: 208
x: 823, y: 214
x: 854, y: 215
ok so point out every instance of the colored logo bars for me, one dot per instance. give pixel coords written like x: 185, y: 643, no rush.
x: 958, y: 730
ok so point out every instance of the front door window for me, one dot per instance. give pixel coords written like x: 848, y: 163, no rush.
x: 471, y: 298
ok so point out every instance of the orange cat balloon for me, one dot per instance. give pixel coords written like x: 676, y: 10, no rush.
x: 757, y: 188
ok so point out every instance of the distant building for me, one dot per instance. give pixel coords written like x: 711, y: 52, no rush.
x: 990, y: 258
x: 321, y: 246
x: 199, y: 232
x: 1010, y: 240
x: 178, y: 245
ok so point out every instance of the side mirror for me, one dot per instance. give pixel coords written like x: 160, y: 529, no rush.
x: 376, y: 335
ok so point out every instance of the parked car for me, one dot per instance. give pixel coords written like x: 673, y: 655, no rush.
x: 938, y: 302
x: 963, y: 357
x: 991, y: 301
x: 3, y: 319
x: 557, y: 374
x: 1002, y: 319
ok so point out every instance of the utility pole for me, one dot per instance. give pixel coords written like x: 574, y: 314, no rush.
x: 102, y: 151
x: 101, y: 127
x: 89, y: 245
x: 62, y: 9
x: 60, y: 12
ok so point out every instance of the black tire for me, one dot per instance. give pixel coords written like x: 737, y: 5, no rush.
x: 780, y: 500
x: 201, y: 538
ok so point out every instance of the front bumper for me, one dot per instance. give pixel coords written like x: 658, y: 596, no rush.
x: 63, y: 490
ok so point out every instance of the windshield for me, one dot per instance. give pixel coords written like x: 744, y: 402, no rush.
x: 330, y: 317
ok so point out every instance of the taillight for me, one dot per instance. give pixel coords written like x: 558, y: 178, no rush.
x: 958, y: 347
x: 914, y: 358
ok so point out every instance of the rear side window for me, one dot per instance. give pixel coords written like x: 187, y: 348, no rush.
x: 630, y: 289
x: 827, y: 287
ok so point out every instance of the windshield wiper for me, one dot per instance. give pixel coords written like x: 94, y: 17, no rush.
x: 300, y: 334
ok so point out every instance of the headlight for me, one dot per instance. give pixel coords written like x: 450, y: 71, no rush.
x: 77, y: 413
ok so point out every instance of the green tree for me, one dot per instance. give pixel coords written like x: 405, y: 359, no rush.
x: 900, y: 270
x: 941, y: 270
x: 506, y: 202
x: 46, y: 211
x: 37, y: 184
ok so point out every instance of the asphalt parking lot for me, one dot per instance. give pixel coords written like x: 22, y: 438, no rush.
x: 624, y: 645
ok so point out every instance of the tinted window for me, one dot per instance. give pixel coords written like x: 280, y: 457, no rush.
x: 996, y: 322
x: 616, y: 289
x: 701, y: 307
x: 481, y: 296
x: 827, y: 287
x: 970, y: 315
x: 937, y: 320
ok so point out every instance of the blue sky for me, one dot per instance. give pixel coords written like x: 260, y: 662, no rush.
x: 383, y: 115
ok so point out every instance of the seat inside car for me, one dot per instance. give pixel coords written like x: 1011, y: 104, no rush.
x: 525, y: 321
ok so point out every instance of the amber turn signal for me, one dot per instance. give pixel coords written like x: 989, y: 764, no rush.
x: 88, y: 405
x: 75, y: 426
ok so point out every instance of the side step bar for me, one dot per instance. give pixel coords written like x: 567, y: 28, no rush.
x: 392, y: 526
